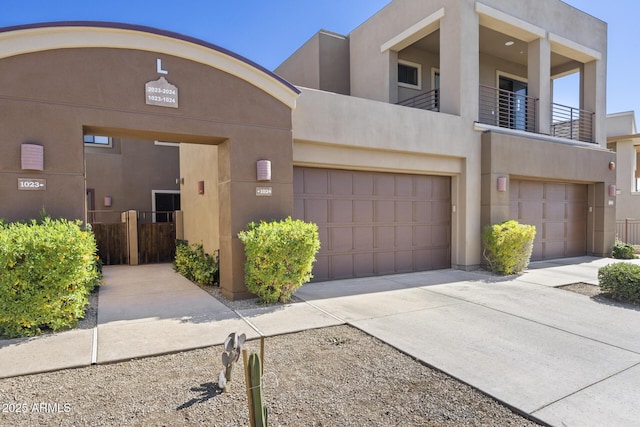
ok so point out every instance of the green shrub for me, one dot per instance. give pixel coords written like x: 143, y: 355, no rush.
x: 193, y: 263
x: 508, y: 246
x: 279, y: 257
x: 47, y: 270
x: 622, y: 250
x: 621, y: 281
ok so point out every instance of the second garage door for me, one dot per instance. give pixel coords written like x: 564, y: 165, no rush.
x: 374, y: 223
x: 559, y: 212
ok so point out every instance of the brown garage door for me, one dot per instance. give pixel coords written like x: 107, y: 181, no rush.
x: 374, y: 223
x: 559, y: 212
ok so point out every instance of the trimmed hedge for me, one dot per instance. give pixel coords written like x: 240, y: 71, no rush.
x: 193, y: 263
x: 621, y: 281
x: 279, y: 257
x: 508, y: 246
x: 622, y: 250
x: 47, y: 271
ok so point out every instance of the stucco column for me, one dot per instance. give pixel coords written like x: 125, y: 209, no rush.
x: 239, y: 201
x: 539, y: 70
x: 459, y: 61
x: 593, y: 98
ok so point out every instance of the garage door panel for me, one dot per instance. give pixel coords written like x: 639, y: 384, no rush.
x: 362, y: 238
x: 441, y: 189
x: 321, y: 268
x: 439, y: 236
x: 554, y: 211
x: 341, y: 183
x: 404, y: 236
x: 363, y: 265
x: 422, y: 236
x: 385, y: 185
x: 559, y: 212
x: 440, y: 258
x: 384, y: 211
x: 441, y: 212
x: 341, y: 211
x: 315, y: 181
x: 363, y: 184
x: 385, y: 263
x: 341, y: 239
x: 422, y: 212
x: 404, y: 211
x: 404, y: 261
x: 374, y: 223
x: 531, y: 212
x: 317, y: 210
x: 384, y: 237
x: 554, y: 231
x: 404, y: 186
x: 362, y: 211
x: 341, y: 267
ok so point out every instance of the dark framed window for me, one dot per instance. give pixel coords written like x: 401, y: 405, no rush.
x: 409, y: 75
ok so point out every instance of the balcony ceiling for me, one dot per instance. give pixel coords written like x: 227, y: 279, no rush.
x: 493, y: 43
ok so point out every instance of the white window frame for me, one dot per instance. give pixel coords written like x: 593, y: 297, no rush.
x: 95, y: 144
x: 416, y: 66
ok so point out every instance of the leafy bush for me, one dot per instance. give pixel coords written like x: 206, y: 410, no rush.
x: 622, y: 250
x: 621, y: 281
x: 508, y: 246
x: 279, y: 257
x: 47, y: 270
x: 193, y: 263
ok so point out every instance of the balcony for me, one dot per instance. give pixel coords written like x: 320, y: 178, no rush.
x: 515, y: 110
x: 572, y: 123
x: 425, y: 101
x: 510, y: 110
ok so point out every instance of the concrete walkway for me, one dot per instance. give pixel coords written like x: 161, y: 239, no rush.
x: 560, y: 357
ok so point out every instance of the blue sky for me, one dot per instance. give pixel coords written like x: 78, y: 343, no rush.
x: 268, y: 31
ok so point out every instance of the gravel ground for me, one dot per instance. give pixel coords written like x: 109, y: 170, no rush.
x: 335, y: 376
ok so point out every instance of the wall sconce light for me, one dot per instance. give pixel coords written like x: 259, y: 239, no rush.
x: 200, y: 187
x: 32, y: 157
x: 502, y: 183
x: 612, y: 190
x: 612, y: 166
x: 263, y: 170
x: 107, y: 201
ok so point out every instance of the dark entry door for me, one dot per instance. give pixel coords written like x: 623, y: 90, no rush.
x: 165, y: 203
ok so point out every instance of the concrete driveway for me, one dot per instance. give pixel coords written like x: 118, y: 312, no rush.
x: 559, y: 357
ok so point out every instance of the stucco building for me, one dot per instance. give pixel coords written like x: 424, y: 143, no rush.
x: 623, y: 138
x: 400, y: 140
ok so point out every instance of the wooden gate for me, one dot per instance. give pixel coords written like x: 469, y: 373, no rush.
x: 151, y: 234
x: 156, y: 237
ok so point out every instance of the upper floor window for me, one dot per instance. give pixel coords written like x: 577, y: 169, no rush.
x: 409, y: 75
x: 97, y: 141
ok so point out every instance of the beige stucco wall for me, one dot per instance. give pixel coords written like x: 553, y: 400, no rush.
x: 337, y: 131
x: 539, y: 159
x: 54, y: 91
x: 570, y: 32
x: 201, y: 211
x: 624, y: 140
x: 128, y: 172
x: 321, y: 63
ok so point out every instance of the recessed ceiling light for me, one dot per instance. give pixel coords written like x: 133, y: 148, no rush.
x: 509, y: 43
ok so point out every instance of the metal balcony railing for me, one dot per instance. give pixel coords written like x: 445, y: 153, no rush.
x: 571, y: 123
x: 425, y: 101
x: 505, y: 109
